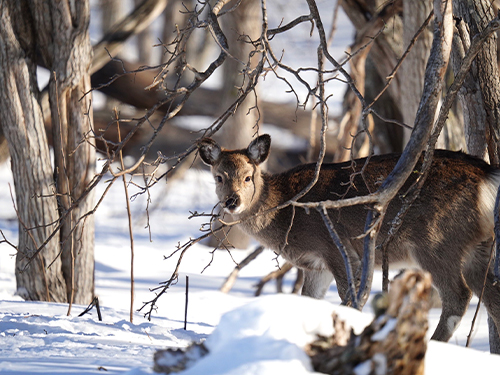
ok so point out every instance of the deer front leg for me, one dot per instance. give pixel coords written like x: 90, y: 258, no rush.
x: 316, y: 283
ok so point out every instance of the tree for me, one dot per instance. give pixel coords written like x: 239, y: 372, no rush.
x: 55, y: 250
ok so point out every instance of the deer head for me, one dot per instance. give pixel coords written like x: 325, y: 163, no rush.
x: 236, y: 172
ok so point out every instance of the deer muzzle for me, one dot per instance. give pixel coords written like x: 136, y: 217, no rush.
x: 232, y: 205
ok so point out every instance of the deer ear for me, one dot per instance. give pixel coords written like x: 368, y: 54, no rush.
x: 209, y: 151
x: 259, y: 148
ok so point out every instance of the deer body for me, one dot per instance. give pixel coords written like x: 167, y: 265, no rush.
x: 447, y: 232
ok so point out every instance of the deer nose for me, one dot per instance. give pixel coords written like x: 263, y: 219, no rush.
x: 231, y: 203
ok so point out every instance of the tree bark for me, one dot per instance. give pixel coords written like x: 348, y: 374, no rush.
x: 477, y: 14
x: 470, y: 98
x: 376, y: 18
x: 394, y: 343
x: 413, y: 68
x: 111, y: 14
x: 240, y: 26
x: 22, y: 124
x: 64, y: 42
x: 145, y: 41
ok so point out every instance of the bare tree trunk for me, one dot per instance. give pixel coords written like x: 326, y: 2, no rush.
x: 22, y: 123
x: 374, y: 17
x: 4, y: 147
x: 172, y: 17
x: 469, y: 95
x: 413, y: 68
x: 240, y: 25
x: 111, y: 14
x: 63, y: 39
x: 352, y: 106
x: 145, y: 42
x: 485, y: 72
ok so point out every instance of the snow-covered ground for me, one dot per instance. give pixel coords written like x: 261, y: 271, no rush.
x: 262, y: 336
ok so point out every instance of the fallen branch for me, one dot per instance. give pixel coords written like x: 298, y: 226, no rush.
x: 228, y: 284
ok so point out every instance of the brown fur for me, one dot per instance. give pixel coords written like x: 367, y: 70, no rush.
x: 448, y: 230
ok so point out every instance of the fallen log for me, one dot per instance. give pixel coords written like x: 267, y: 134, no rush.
x: 129, y: 89
x: 393, y: 344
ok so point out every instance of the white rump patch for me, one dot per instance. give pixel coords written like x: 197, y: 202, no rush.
x: 486, y: 203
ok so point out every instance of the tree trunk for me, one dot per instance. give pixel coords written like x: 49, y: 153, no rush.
x: 383, y: 56
x: 145, y: 41
x: 413, y: 68
x: 477, y: 14
x: 112, y: 12
x: 240, y: 26
x: 59, y: 32
x: 64, y: 43
x: 22, y: 124
x: 469, y: 95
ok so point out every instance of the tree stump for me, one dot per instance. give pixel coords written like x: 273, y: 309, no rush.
x: 394, y: 343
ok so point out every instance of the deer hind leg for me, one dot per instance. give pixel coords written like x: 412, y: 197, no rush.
x: 475, y: 271
x: 455, y: 295
x: 455, y: 298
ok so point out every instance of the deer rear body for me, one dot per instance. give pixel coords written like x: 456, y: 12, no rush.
x: 447, y: 231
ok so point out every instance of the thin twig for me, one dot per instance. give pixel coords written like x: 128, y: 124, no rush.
x: 130, y: 231
x: 480, y: 297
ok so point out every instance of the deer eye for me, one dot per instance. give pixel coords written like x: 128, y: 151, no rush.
x: 248, y: 179
x: 218, y: 179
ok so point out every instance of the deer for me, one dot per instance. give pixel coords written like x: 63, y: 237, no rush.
x: 448, y: 230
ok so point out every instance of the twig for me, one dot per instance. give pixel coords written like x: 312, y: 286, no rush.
x: 130, y: 231
x: 186, y: 304
x: 230, y: 280
x: 95, y: 302
x: 351, y: 293
x: 271, y: 276
x: 469, y: 336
